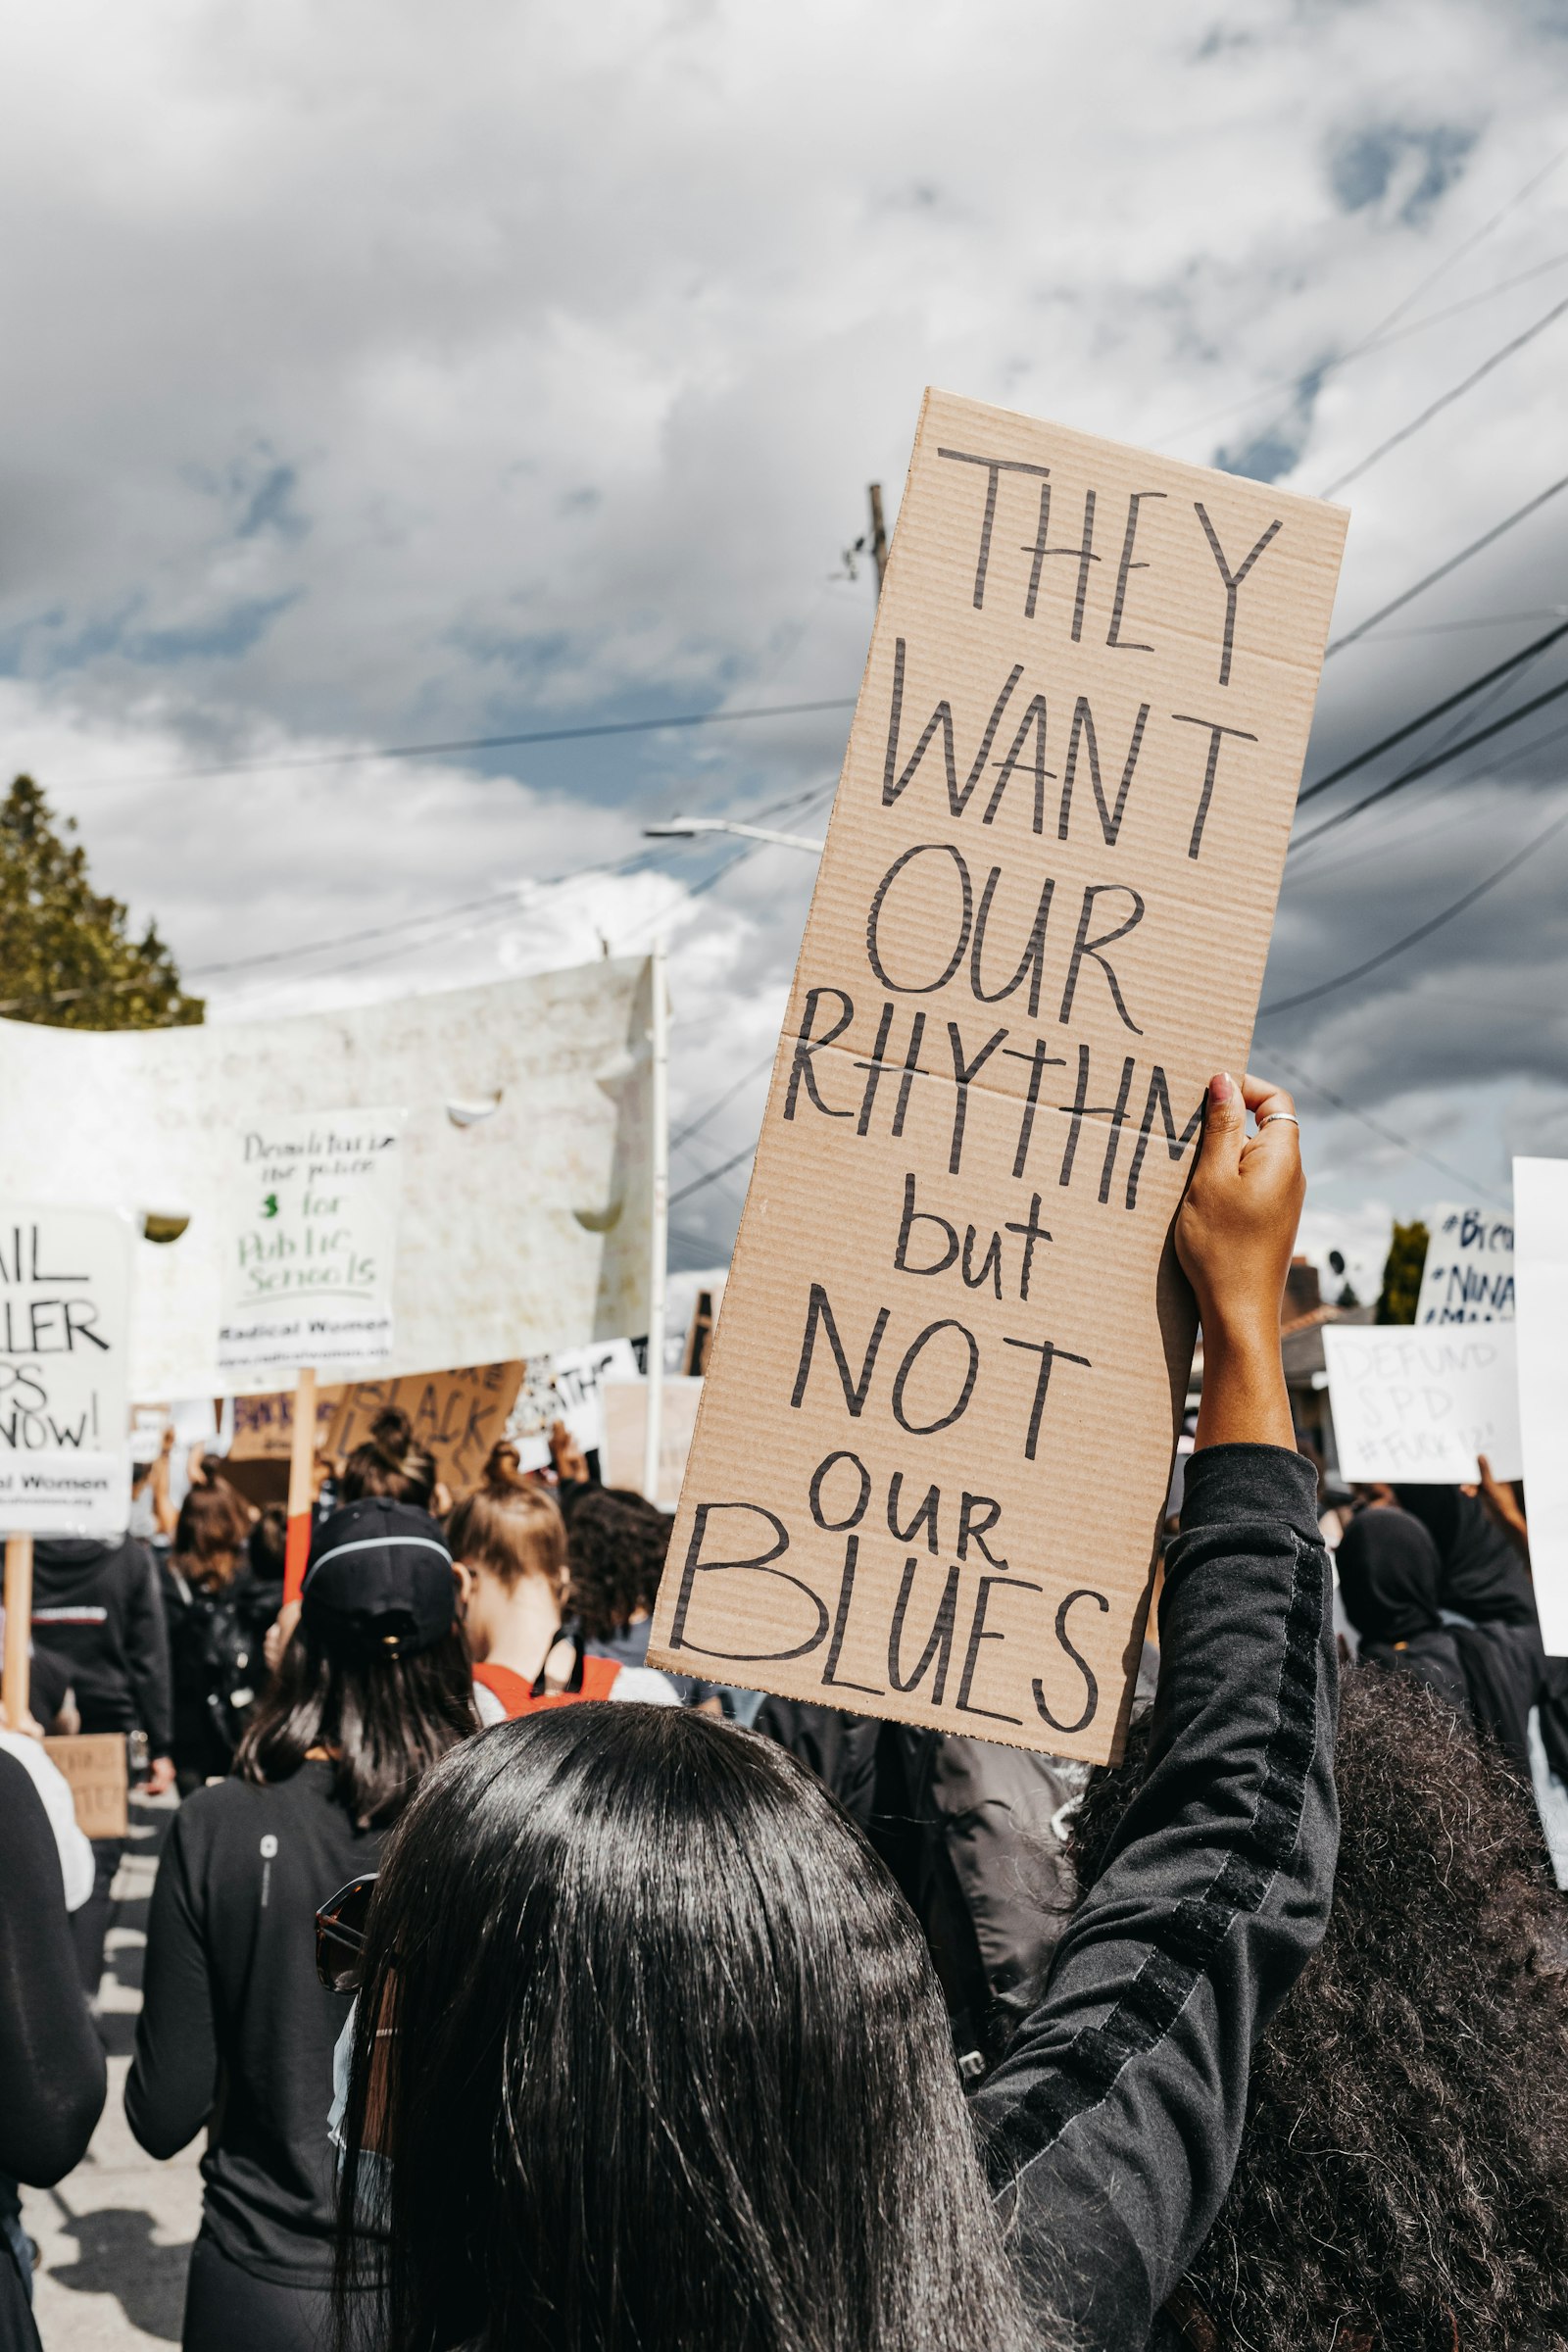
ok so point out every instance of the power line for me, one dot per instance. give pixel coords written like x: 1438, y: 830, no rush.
x: 407, y: 922
x: 1475, y: 620
x: 713, y: 1176
x: 1446, y: 400
x: 472, y: 743
x: 719, y: 1103
x: 1390, y: 1135
x: 1353, y: 854
x: 1377, y: 337
x: 499, y: 899
x: 1425, y: 767
x: 1453, y: 565
x: 1377, y: 341
x: 1469, y: 243
x: 496, y: 902
x: 1323, y: 988
x: 1424, y: 718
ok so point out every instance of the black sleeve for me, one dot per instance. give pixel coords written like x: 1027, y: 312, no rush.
x: 52, y: 2073
x: 147, y: 1652
x: 174, y: 2075
x: 1112, y: 2125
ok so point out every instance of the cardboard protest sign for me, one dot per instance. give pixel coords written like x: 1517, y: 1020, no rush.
x: 95, y: 1767
x: 624, y: 1404
x: 456, y: 1416
x: 1540, y: 1214
x: 312, y: 1244
x: 1468, y: 1276
x: 526, y: 1158
x: 264, y: 1426
x: 65, y: 1402
x: 1419, y: 1407
x: 935, y: 1436
x: 565, y: 1387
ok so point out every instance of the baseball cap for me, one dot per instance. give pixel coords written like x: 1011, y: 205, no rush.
x: 379, y: 1580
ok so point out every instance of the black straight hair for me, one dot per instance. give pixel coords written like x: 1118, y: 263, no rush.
x: 386, y: 1719
x: 667, y: 2067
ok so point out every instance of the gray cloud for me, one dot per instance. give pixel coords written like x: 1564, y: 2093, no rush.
x: 378, y: 377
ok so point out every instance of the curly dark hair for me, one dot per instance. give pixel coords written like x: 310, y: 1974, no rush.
x: 1403, y: 2177
x: 615, y: 1547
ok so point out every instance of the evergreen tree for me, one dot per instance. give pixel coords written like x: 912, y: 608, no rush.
x: 65, y: 958
x: 1401, y: 1274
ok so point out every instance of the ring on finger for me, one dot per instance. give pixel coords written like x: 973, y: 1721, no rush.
x: 1278, y: 1115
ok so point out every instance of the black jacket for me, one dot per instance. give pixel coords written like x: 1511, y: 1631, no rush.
x: 98, y: 1607
x: 1395, y: 1586
x: 1112, y: 2124
x: 51, y: 2076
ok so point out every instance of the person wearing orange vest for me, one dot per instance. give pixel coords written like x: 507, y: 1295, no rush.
x: 509, y: 1552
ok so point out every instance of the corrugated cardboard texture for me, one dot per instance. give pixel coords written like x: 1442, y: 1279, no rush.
x: 94, y: 1765
x: 458, y: 1416
x: 944, y: 1395
x: 264, y: 1426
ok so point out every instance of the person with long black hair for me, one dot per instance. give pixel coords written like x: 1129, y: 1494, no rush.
x: 236, y: 2033
x: 649, y: 2049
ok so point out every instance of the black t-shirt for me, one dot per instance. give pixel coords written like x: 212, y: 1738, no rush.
x: 51, y: 2061
x: 235, y: 2030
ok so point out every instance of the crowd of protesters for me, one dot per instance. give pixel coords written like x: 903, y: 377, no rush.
x: 518, y: 2019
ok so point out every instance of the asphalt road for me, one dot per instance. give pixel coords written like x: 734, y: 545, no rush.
x: 115, y: 2236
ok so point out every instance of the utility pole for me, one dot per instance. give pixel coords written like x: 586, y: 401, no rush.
x: 879, y: 538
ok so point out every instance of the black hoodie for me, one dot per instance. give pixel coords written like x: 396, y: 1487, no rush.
x: 98, y: 1607
x: 1391, y: 1584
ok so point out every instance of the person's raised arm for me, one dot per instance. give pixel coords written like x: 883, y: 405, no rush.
x: 1113, y: 2121
x: 1234, y: 1237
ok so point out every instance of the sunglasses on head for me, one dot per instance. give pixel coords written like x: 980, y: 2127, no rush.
x: 340, y: 1935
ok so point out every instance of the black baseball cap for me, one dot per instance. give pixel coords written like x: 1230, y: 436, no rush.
x: 379, y: 1580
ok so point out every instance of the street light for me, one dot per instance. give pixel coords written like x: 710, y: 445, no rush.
x: 688, y: 828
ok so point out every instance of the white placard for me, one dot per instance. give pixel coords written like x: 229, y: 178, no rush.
x: 1468, y: 1276
x: 313, y: 1243
x: 625, y: 1409
x: 527, y: 1158
x: 1540, y: 1214
x: 1418, y: 1406
x: 65, y: 1357
x: 564, y: 1387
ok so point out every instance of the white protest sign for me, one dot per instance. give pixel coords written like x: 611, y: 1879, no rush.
x: 1541, y: 1214
x: 565, y: 1387
x: 64, y: 1397
x: 1468, y: 1277
x: 526, y: 1159
x: 624, y: 1404
x: 1419, y: 1407
x: 313, y: 1243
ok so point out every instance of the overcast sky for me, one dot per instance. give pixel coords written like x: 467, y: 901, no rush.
x: 383, y: 375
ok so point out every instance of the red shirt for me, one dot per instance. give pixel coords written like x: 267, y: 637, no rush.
x: 519, y: 1697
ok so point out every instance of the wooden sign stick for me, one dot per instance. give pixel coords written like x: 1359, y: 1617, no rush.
x: 301, y: 1466
x: 15, y: 1677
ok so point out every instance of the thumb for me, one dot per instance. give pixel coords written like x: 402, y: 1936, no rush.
x: 1224, y: 1125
